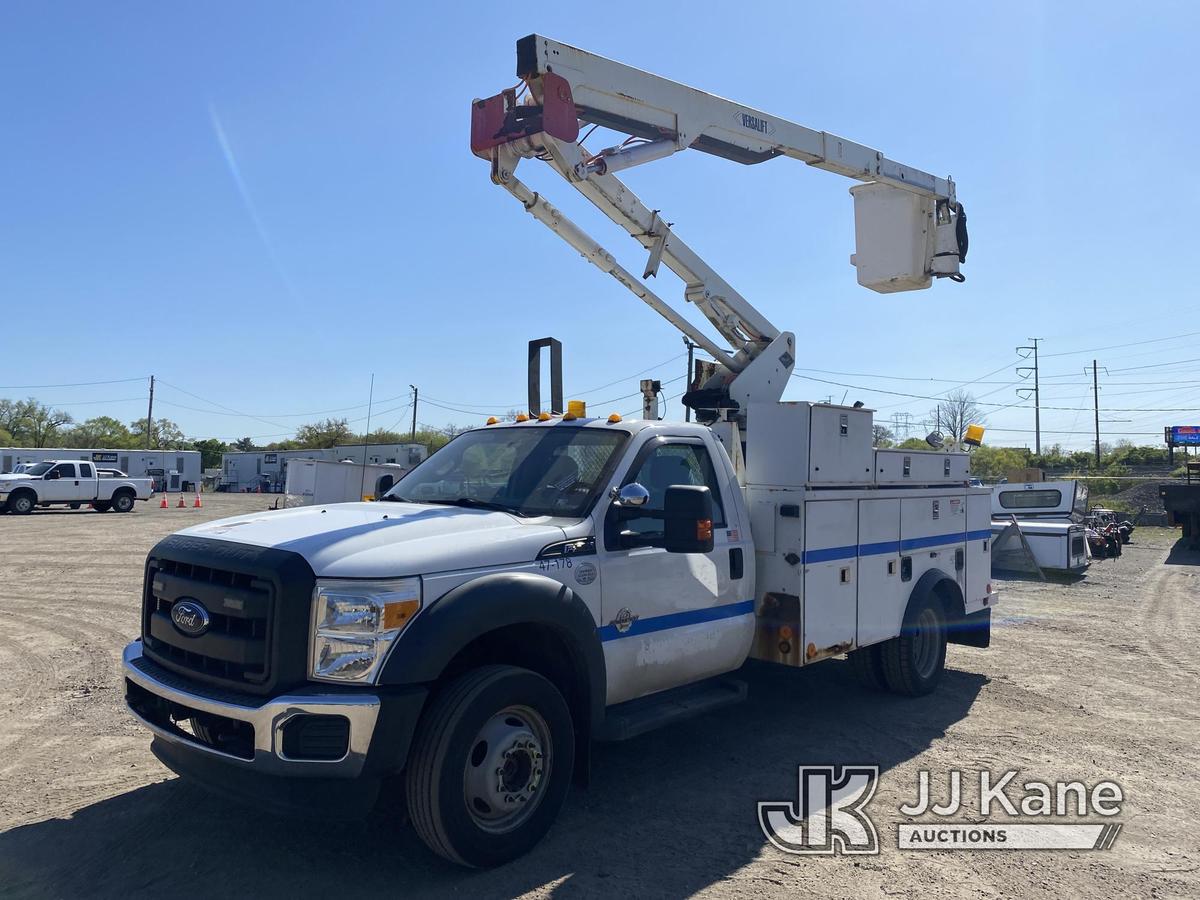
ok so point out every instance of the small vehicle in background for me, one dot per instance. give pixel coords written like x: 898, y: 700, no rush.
x: 70, y: 483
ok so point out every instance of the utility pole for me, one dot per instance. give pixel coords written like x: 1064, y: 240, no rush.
x: 362, y: 482
x: 1096, y: 403
x: 687, y: 381
x: 412, y: 438
x: 150, y: 413
x: 1037, y: 406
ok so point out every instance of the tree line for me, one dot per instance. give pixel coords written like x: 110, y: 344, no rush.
x: 29, y: 423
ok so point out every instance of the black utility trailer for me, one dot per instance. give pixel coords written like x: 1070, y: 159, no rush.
x: 1182, y: 503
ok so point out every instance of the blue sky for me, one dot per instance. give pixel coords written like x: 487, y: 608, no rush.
x: 262, y: 204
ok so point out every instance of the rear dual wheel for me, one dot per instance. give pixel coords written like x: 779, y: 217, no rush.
x: 913, y: 662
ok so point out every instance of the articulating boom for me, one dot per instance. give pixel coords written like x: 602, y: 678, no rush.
x: 909, y: 227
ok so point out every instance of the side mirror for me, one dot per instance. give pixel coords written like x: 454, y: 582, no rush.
x: 688, y: 526
x: 630, y: 495
x: 53, y: 475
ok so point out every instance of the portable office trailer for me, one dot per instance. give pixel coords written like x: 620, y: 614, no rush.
x: 320, y: 481
x: 172, y: 470
x: 1057, y: 545
x: 266, y: 470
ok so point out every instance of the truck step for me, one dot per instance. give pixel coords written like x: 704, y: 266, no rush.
x: 635, y: 717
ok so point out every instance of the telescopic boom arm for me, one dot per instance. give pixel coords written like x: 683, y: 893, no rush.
x: 909, y: 227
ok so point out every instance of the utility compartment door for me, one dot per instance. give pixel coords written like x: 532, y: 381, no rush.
x: 881, y: 594
x: 830, y: 577
x: 979, y: 551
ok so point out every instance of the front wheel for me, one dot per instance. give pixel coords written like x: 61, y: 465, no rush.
x: 913, y: 662
x: 22, y: 504
x: 490, y: 766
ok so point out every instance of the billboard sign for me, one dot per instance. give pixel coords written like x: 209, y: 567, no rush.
x: 104, y: 457
x: 1183, y: 435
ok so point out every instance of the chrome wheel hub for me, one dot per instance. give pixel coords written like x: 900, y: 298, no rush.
x: 506, y: 768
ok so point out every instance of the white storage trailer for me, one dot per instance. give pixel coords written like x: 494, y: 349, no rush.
x: 1056, y: 546
x: 1050, y: 515
x: 267, y: 470
x: 171, y: 470
x: 317, y: 481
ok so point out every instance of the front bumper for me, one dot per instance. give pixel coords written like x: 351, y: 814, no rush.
x: 172, y: 695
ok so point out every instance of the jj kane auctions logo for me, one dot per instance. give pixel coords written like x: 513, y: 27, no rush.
x: 829, y: 815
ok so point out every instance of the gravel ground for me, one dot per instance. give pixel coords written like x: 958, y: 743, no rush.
x: 1091, y: 680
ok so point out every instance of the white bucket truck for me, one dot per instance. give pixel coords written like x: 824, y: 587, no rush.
x: 537, y: 586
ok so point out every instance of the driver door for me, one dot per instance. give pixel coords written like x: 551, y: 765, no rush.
x: 61, y: 489
x: 671, y: 618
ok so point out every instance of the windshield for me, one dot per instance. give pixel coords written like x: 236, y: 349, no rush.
x: 531, y: 471
x: 39, y: 469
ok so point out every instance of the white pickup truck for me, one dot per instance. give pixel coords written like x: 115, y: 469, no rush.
x: 70, y: 483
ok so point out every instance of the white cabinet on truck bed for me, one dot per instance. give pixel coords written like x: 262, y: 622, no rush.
x: 793, y: 443
x: 920, y: 467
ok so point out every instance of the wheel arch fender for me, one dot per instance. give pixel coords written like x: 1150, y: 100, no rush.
x: 501, y: 603
x: 24, y: 489
x: 961, y: 628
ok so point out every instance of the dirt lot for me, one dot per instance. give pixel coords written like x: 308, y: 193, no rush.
x: 1093, y: 680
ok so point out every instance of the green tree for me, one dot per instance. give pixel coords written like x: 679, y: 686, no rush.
x: 883, y: 436
x: 244, y: 444
x: 164, y: 435
x: 42, y: 425
x: 210, y: 452
x: 100, y: 431
x: 323, y: 434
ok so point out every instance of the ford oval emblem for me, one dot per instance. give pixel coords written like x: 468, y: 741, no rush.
x: 190, y: 617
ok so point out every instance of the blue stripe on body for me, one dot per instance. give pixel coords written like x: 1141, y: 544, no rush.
x: 677, y: 620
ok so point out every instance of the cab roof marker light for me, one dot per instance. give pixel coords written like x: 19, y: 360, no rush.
x: 614, y: 418
x: 492, y: 420
x: 544, y: 417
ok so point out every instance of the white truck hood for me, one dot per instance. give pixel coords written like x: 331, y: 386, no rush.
x: 16, y: 477
x: 387, y: 540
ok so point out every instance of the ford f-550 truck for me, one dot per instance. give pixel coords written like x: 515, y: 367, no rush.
x: 538, y: 586
x: 68, y: 482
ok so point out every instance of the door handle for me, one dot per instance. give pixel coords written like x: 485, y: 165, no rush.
x: 736, y: 565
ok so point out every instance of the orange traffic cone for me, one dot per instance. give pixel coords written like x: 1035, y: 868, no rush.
x: 163, y: 504
x: 197, y: 504
x: 181, y: 504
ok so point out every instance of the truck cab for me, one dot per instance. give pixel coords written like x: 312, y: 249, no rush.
x: 530, y: 588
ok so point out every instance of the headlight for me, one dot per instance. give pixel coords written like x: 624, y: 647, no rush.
x: 354, y: 624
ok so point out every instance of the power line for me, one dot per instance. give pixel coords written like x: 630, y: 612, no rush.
x: 1174, y: 337
x: 28, y: 387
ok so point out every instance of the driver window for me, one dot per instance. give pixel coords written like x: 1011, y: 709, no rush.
x: 65, y: 470
x: 665, y: 466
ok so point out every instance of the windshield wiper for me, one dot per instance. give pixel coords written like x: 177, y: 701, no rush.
x: 473, y: 503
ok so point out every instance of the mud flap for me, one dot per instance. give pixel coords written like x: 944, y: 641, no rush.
x: 972, y: 630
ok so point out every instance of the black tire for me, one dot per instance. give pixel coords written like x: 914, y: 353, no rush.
x: 22, y: 502
x: 452, y: 757
x: 74, y: 505
x: 911, y: 664
x: 102, y: 506
x: 867, y: 665
x: 122, y: 501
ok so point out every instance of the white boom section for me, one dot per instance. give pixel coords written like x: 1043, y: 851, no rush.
x: 909, y: 227
x: 627, y: 99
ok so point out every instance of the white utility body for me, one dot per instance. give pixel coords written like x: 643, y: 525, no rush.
x: 535, y: 586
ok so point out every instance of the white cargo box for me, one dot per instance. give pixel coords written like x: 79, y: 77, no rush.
x: 790, y: 444
x: 920, y: 467
x: 893, y: 238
